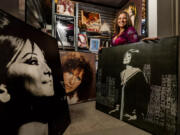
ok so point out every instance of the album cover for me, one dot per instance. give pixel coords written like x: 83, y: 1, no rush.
x: 65, y: 31
x: 137, y: 83
x: 82, y: 40
x: 79, y: 74
x: 65, y: 7
x: 32, y: 99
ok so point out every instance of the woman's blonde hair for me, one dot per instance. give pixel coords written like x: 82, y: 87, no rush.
x: 116, y: 26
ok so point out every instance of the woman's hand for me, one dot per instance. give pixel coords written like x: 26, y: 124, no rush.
x: 150, y: 38
x: 130, y: 117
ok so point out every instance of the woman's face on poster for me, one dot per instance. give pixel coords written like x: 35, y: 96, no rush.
x: 72, y: 79
x: 31, y: 66
x: 127, y: 58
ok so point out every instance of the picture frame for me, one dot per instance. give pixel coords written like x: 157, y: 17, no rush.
x: 94, y: 44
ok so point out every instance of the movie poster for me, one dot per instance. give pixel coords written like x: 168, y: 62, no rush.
x: 79, y: 73
x: 31, y: 99
x: 137, y: 83
x: 65, y: 31
x: 91, y: 21
x: 134, y: 9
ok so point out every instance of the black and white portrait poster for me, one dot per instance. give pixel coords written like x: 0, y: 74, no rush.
x: 65, y: 30
x: 32, y: 101
x: 137, y: 83
x: 79, y: 74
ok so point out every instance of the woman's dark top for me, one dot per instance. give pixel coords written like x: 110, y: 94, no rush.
x: 128, y: 36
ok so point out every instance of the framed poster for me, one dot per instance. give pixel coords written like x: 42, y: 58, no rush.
x: 137, y: 83
x: 65, y: 30
x: 94, y: 45
x: 65, y: 7
x: 30, y: 75
x: 91, y: 20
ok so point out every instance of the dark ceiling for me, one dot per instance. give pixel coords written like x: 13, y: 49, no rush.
x: 109, y: 3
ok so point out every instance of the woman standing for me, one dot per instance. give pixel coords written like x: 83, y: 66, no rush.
x: 124, y: 31
x: 135, y: 91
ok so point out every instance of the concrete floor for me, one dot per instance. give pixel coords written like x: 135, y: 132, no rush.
x: 86, y: 120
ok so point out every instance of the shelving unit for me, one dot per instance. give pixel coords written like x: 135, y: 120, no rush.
x: 107, y: 15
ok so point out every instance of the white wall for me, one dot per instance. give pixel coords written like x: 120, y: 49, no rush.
x: 152, y: 18
x: 163, y: 18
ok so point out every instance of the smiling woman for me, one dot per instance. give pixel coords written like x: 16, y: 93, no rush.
x: 24, y: 76
x: 77, y: 74
x: 124, y: 31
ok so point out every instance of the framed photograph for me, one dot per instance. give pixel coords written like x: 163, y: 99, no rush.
x: 91, y: 20
x: 94, y: 44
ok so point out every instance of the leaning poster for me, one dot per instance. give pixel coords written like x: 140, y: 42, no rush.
x: 32, y: 100
x: 137, y: 83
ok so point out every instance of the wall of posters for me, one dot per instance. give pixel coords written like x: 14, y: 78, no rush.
x: 91, y: 21
x: 32, y: 99
x: 137, y: 83
x: 79, y: 75
x: 65, y: 30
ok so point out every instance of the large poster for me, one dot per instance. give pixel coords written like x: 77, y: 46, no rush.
x: 65, y: 30
x: 79, y: 75
x: 137, y: 83
x: 32, y: 101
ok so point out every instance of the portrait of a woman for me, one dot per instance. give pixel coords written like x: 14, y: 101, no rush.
x: 135, y: 91
x: 32, y: 101
x: 78, y: 77
x: 124, y: 31
x: 25, y: 77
